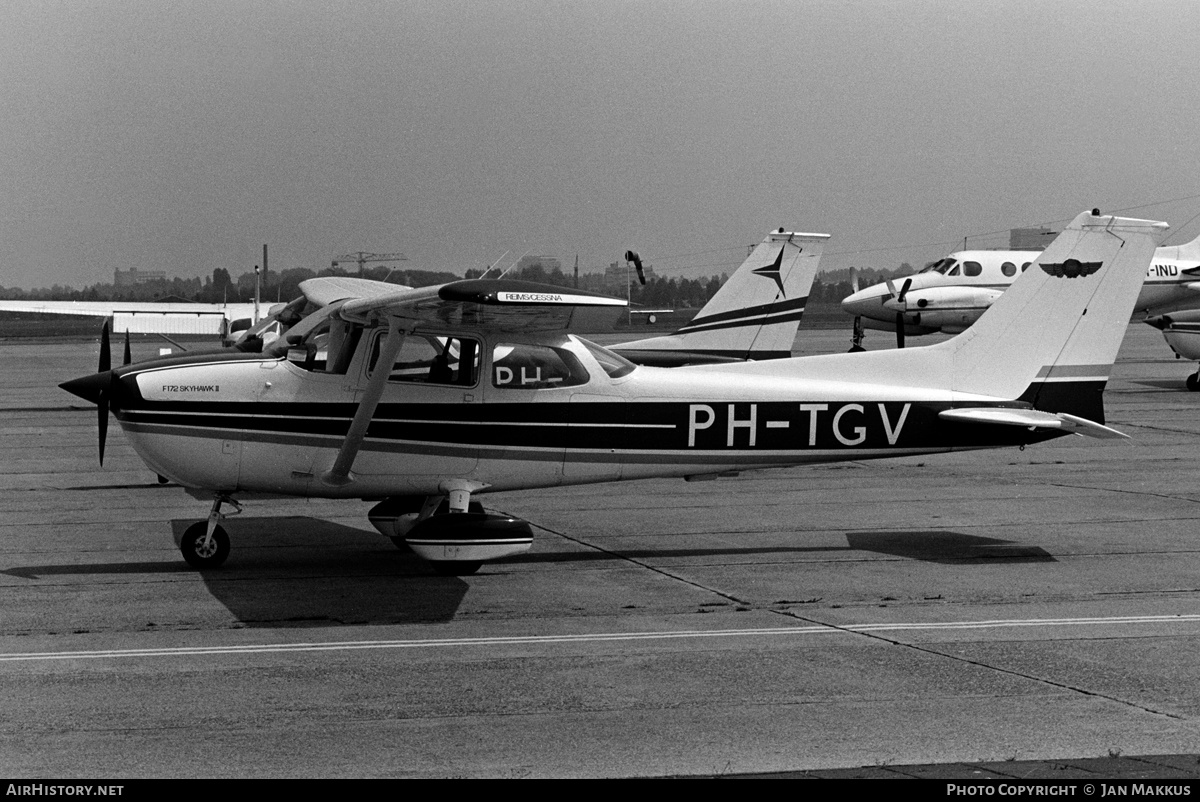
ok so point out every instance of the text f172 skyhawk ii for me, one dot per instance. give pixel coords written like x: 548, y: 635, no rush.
x: 423, y: 400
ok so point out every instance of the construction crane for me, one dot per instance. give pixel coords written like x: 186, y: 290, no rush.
x: 362, y: 257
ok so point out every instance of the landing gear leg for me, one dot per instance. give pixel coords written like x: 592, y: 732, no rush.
x: 205, y: 543
x: 856, y: 341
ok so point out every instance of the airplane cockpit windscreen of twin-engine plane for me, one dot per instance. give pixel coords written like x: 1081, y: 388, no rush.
x: 940, y: 266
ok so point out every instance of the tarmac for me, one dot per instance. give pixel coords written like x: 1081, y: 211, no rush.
x: 1025, y: 614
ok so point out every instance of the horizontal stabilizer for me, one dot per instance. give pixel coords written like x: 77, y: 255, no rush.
x: 1032, y: 419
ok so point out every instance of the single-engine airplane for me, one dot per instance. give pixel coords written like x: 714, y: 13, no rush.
x: 950, y: 294
x: 423, y: 399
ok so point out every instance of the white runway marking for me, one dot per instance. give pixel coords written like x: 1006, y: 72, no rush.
x: 438, y: 643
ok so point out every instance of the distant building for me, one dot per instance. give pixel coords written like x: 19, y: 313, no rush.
x: 620, y: 272
x: 127, y: 278
x: 1030, y: 239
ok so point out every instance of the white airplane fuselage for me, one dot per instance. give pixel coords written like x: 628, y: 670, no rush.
x: 253, y: 423
x: 951, y: 294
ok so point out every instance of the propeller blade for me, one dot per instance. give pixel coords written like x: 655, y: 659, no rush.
x: 105, y: 351
x: 891, y: 287
x: 900, y: 329
x: 102, y: 420
x: 904, y: 290
x: 854, y: 279
x: 128, y: 355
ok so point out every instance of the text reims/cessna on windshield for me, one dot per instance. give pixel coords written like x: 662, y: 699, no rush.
x: 421, y: 400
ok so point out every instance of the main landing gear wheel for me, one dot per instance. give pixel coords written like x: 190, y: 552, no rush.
x: 455, y: 567
x: 200, y: 554
x: 1193, y: 382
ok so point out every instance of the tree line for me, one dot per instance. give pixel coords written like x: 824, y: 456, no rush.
x: 283, y: 285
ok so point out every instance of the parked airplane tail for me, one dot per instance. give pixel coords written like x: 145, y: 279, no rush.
x: 1187, y: 252
x: 1050, y: 340
x: 754, y: 315
x: 1053, y: 337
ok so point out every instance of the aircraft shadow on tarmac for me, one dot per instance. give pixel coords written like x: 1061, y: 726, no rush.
x: 306, y: 572
x: 311, y: 572
x: 302, y: 572
x: 939, y: 546
x: 936, y: 546
x: 1162, y: 384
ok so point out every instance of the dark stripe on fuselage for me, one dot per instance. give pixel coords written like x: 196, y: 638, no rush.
x: 612, y: 428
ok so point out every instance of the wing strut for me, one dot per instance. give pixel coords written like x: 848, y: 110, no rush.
x: 339, y: 474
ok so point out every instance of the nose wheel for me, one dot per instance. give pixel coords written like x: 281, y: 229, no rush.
x: 856, y: 341
x: 205, y: 544
x: 202, y: 550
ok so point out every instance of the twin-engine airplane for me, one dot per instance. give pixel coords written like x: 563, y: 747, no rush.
x: 950, y: 294
x: 1181, y: 330
x: 422, y: 399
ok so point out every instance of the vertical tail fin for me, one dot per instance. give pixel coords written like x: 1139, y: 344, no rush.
x: 1051, y: 339
x: 754, y: 315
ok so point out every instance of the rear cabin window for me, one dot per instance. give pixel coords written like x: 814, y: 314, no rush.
x: 972, y: 268
x: 1025, y: 266
x: 1008, y: 269
x: 427, y: 359
x: 518, y: 366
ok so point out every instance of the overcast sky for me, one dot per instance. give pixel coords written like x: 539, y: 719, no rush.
x: 184, y: 135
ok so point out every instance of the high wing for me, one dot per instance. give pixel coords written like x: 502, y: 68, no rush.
x: 496, y: 304
x: 473, y: 304
x: 754, y: 315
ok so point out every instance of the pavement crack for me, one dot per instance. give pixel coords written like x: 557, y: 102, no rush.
x: 987, y: 666
x: 616, y: 555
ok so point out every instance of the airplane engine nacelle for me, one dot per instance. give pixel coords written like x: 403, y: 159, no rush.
x: 951, y: 309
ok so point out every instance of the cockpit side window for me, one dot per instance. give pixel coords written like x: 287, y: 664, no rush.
x: 520, y: 366
x: 430, y: 359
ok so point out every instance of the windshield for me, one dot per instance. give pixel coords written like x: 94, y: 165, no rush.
x: 614, y: 364
x: 312, y: 325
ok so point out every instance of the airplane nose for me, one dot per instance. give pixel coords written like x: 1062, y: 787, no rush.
x: 90, y: 387
x: 863, y: 302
